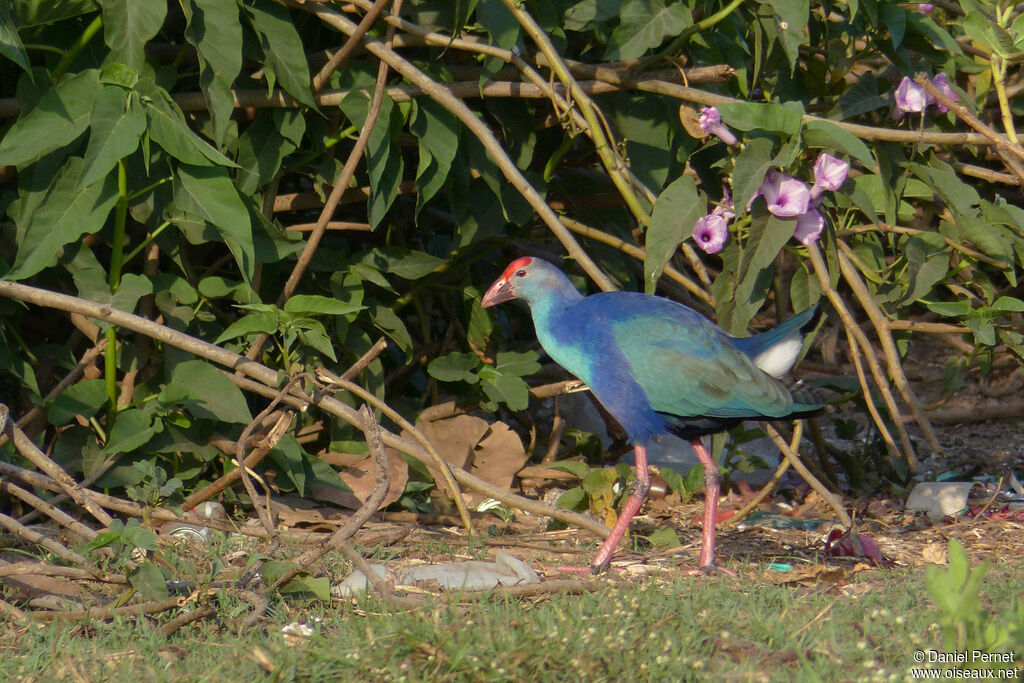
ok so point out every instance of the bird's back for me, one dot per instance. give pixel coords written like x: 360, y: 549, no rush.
x: 657, y: 365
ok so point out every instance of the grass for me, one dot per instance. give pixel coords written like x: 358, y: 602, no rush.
x: 655, y: 630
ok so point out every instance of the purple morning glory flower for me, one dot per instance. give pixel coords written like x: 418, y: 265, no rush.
x: 941, y: 83
x: 808, y: 227
x: 910, y: 97
x: 711, y: 232
x: 829, y: 174
x: 725, y: 208
x: 711, y: 122
x: 925, y: 7
x: 785, y: 195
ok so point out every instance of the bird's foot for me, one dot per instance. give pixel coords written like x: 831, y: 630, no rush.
x: 710, y: 569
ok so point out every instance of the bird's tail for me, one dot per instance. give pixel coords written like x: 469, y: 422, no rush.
x: 777, y: 350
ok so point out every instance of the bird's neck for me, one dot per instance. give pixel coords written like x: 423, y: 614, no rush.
x: 549, y: 308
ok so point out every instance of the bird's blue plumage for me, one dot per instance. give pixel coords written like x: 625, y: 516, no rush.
x: 655, y: 364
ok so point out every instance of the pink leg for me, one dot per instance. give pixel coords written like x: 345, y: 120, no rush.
x: 633, y: 503
x: 711, y: 490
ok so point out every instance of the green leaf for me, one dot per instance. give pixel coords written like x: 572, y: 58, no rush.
x: 455, y: 367
x: 137, y: 536
x: 508, y: 389
x: 266, y: 323
x: 791, y: 21
x: 312, y: 333
x: 117, y: 125
x: 413, y: 265
x: 383, y: 156
x: 132, y: 429
x: 282, y: 46
x: 644, y: 24
x: 215, y: 31
x: 389, y: 323
x: 598, y: 482
x: 215, y: 198
x: 149, y: 580
x: 694, y: 478
x: 499, y: 23
x: 573, y: 499
x: 168, y: 129
x: 287, y: 455
x: 516, y: 363
x: 750, y: 168
x: 85, y: 398
x: 10, y: 42
x: 62, y: 114
x: 665, y: 538
x: 262, y: 147
x: 766, y: 116
x: 583, y: 15
x: 61, y: 215
x: 927, y: 265
x: 315, y: 304
x: 437, y: 133
x: 675, y: 213
x: 208, y: 393
x: 127, y: 26
x: 573, y: 467
x: 819, y: 133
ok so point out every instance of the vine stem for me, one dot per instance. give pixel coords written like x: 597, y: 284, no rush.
x: 76, y: 49
x: 116, y: 264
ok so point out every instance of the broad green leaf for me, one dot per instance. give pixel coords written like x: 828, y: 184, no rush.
x: 315, y: 304
x: 40, y: 12
x: 517, y: 363
x: 766, y: 116
x: 85, y: 398
x: 127, y: 26
x: 208, y: 392
x: 215, y: 30
x: 767, y: 235
x: 10, y: 42
x: 508, y: 389
x: 950, y: 309
x: 960, y: 196
x: 675, y: 212
x: 455, y: 367
x: 751, y: 166
x: 61, y: 115
x: 215, y: 198
x: 263, y: 147
x: 149, y: 580
x: 499, y: 23
x: 643, y: 25
x: 573, y: 499
x: 1007, y: 304
x: 383, y: 157
x: 168, y: 129
x: 791, y: 21
x: 132, y: 429
x: 64, y: 214
x: 288, y: 456
x: 312, y: 333
x: 573, y: 467
x: 389, y: 323
x: 282, y: 46
x: 665, y: 538
x: 437, y: 133
x: 583, y: 15
x: 927, y: 265
x: 413, y: 265
x: 117, y: 125
x: 894, y: 19
x: 820, y: 133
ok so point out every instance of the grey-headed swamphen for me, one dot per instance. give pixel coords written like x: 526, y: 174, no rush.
x: 660, y: 367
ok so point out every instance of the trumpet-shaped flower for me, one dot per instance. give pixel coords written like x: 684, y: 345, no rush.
x: 808, y: 227
x: 711, y: 122
x: 910, y: 98
x: 785, y: 195
x: 829, y: 174
x: 711, y: 232
x: 941, y: 83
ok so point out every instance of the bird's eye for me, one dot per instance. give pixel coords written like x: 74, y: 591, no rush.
x: 520, y: 273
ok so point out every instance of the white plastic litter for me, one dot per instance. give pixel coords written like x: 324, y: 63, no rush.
x: 939, y: 499
x: 506, y: 570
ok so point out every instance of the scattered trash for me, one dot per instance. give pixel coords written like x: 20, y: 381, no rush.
x: 939, y: 499
x: 779, y: 567
x: 506, y: 570
x: 817, y: 576
x: 297, y: 628
x: 189, y: 532
x: 774, y: 521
